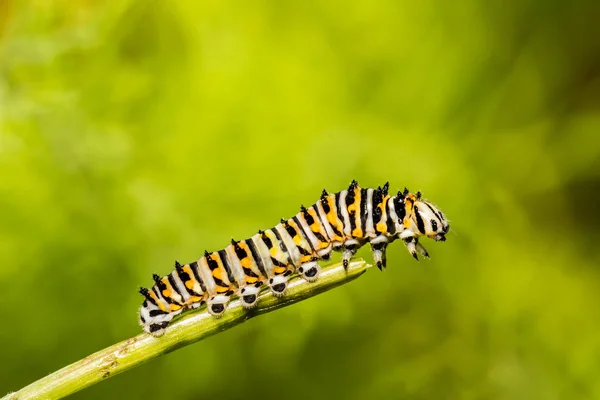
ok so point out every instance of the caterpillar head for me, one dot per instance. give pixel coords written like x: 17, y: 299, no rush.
x: 429, y: 221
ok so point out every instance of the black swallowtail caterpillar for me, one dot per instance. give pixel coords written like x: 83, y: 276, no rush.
x: 342, y: 221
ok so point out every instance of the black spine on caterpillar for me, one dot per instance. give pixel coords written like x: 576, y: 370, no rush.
x: 342, y: 221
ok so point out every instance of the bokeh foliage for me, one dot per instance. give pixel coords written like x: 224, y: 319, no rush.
x: 136, y: 132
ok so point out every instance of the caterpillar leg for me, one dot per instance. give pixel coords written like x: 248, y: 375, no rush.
x: 411, y: 246
x: 348, y: 251
x: 217, y: 304
x: 278, y: 284
x: 414, y: 247
x: 310, y: 270
x: 379, y: 256
x: 249, y: 294
x: 421, y: 250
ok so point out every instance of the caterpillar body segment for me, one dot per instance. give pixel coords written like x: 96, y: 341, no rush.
x: 342, y: 221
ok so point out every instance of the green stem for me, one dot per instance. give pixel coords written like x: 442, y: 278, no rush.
x: 191, y: 328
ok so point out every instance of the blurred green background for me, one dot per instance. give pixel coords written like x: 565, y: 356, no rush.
x: 134, y: 133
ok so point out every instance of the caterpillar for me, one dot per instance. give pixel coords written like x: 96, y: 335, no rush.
x: 342, y: 221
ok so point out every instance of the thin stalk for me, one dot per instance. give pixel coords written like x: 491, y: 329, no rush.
x: 192, y: 327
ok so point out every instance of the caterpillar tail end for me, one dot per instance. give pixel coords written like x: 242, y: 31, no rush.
x: 152, y: 323
x: 152, y: 318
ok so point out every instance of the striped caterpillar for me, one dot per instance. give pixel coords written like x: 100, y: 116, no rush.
x: 342, y: 221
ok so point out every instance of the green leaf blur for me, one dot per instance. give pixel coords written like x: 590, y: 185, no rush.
x: 134, y: 133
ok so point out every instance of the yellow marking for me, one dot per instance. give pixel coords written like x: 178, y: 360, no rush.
x: 215, y: 257
x: 382, y: 226
x: 167, y: 292
x: 155, y: 298
x: 409, y: 202
x: 273, y: 251
x: 383, y: 204
x: 272, y: 236
x: 408, y: 209
x: 337, y: 238
x: 250, y: 280
x: 221, y: 289
x: 297, y: 240
x: 354, y: 206
x: 174, y: 307
x: 191, y: 284
x: 188, y: 270
x: 279, y: 270
x: 218, y: 273
x: 246, y: 262
x: 357, y: 233
x: 331, y: 215
x: 316, y: 226
x: 304, y: 259
x: 332, y: 218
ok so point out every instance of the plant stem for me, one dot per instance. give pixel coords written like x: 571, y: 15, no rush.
x: 192, y: 327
